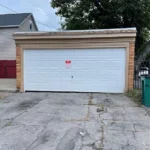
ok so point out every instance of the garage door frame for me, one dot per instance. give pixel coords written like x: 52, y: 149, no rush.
x: 109, y: 45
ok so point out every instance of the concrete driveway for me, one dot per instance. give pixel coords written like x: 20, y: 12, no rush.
x: 72, y: 121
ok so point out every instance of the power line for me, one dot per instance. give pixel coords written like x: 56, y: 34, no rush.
x: 44, y: 24
x: 8, y: 8
x: 35, y: 20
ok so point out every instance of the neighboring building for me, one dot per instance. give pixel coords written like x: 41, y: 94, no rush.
x: 10, y: 23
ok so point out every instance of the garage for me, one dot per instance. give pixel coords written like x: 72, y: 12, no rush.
x: 76, y: 61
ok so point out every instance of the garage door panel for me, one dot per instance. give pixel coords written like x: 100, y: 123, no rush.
x: 90, y: 70
x: 98, y: 65
x: 45, y: 64
x: 52, y: 76
x: 98, y: 74
x: 48, y: 87
x: 102, y: 88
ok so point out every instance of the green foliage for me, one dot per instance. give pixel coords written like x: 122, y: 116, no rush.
x: 104, y: 14
x: 135, y: 95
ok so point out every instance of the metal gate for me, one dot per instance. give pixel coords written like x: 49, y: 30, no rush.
x: 142, y: 70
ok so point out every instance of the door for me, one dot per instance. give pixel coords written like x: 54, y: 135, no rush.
x: 80, y: 70
x: 7, y: 68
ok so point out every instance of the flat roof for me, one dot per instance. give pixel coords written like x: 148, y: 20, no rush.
x: 120, y: 32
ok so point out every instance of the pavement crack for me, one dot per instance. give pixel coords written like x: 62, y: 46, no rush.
x: 45, y: 126
x: 83, y: 119
x: 127, y: 114
x: 12, y: 120
x: 82, y: 138
x: 7, y: 124
x: 102, y: 135
x: 36, y: 140
x: 134, y: 127
x: 90, y: 100
x: 69, y: 140
x: 134, y: 135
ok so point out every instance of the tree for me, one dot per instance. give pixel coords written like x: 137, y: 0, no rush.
x: 104, y: 14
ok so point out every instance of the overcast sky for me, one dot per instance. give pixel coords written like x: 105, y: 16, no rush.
x: 41, y: 10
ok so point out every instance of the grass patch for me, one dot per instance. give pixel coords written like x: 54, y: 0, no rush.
x: 136, y: 96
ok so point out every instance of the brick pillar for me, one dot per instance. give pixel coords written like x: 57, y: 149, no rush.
x: 18, y: 66
x: 131, y: 66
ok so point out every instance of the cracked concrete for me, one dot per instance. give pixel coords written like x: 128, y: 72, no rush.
x: 70, y: 121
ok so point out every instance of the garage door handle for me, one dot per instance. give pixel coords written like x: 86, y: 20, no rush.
x: 72, y: 77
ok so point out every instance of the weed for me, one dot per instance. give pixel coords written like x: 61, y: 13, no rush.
x: 100, y: 108
x: 8, y: 124
x: 90, y: 102
x: 136, y: 96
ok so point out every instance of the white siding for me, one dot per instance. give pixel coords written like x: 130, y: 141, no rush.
x: 25, y: 26
x: 7, y: 45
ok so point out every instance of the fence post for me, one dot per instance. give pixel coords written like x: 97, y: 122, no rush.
x: 149, y: 67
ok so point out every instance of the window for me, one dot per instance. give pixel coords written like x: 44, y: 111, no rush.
x: 30, y: 25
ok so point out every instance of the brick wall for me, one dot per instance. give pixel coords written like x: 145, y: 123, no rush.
x: 18, y: 66
x: 131, y: 66
x: 124, y: 42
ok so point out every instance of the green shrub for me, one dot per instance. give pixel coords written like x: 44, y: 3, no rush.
x: 135, y: 95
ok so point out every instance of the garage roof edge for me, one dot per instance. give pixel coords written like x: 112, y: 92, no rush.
x: 102, y: 33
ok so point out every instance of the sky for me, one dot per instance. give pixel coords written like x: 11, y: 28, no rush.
x: 41, y: 10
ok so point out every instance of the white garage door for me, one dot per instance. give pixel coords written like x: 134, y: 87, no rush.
x: 81, y: 70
